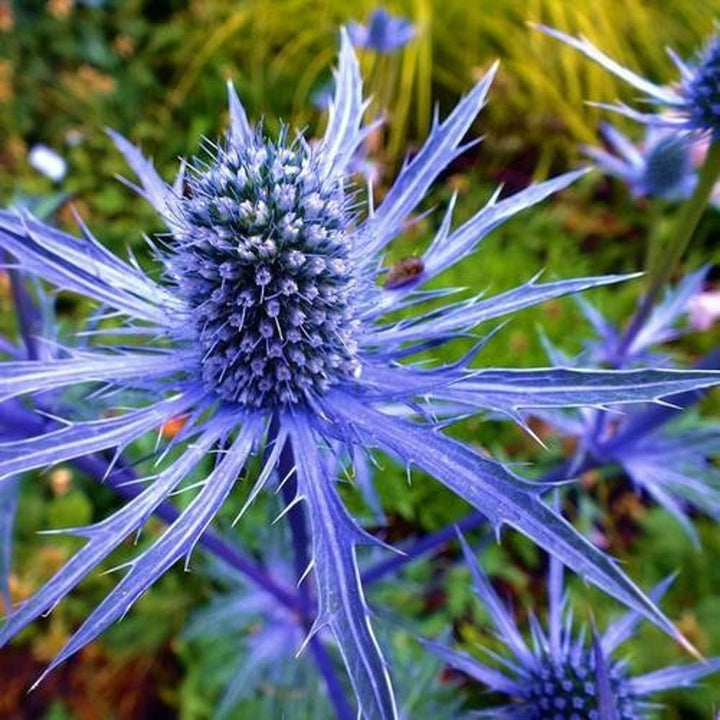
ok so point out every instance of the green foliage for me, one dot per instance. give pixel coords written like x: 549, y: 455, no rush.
x: 156, y: 71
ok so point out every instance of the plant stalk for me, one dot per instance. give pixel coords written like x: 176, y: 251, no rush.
x: 664, y: 260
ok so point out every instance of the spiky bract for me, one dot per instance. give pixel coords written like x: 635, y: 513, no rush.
x: 274, y: 334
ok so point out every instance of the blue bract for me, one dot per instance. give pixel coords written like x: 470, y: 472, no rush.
x: 562, y: 675
x: 275, y: 331
x: 692, y: 104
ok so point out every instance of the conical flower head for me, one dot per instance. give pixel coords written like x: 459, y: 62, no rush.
x: 560, y: 675
x: 263, y: 263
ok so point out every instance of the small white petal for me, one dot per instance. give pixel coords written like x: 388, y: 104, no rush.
x: 46, y: 161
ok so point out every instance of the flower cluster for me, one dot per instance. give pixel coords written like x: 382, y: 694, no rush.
x: 276, y: 333
x: 263, y: 263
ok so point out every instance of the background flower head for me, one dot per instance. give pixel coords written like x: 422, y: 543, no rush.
x: 383, y: 33
x: 660, y: 167
x: 563, y: 673
x: 693, y: 103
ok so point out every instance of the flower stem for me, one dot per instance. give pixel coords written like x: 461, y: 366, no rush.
x: 296, y: 519
x: 25, y: 310
x: 430, y: 543
x: 336, y: 692
x: 664, y: 260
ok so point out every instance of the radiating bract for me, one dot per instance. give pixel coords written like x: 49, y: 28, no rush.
x: 561, y: 674
x: 273, y: 318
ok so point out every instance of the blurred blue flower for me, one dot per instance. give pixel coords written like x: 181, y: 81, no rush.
x: 275, y: 330
x: 693, y: 103
x: 322, y: 96
x: 612, y: 347
x: 660, y: 167
x: 383, y: 32
x: 560, y: 675
x: 672, y: 463
x: 259, y: 632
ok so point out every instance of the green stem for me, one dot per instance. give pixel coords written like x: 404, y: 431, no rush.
x: 665, y: 259
x: 687, y: 221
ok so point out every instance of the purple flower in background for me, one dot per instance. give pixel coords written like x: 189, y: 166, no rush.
x: 274, y: 331
x: 693, y: 103
x: 612, y: 347
x: 383, y: 32
x: 560, y: 674
x: 259, y: 632
x: 322, y: 97
x: 660, y: 167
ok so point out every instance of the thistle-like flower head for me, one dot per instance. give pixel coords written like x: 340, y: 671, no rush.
x: 275, y: 331
x: 700, y: 87
x: 263, y: 260
x: 692, y: 103
x: 560, y: 674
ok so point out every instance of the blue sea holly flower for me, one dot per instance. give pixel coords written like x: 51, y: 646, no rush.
x: 276, y: 331
x: 383, y: 32
x: 560, y: 675
x: 660, y: 167
x: 693, y: 103
x: 612, y: 347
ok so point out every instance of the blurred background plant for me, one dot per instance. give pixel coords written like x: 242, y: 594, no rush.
x: 155, y: 71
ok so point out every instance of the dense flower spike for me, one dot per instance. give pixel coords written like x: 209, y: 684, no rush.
x: 692, y: 104
x: 701, y: 86
x: 264, y: 266
x: 561, y: 676
x: 276, y: 333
